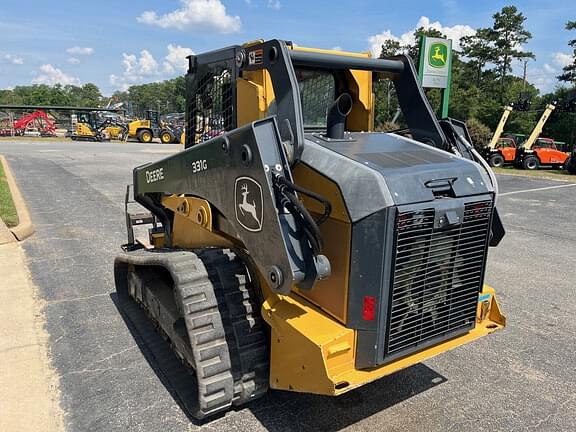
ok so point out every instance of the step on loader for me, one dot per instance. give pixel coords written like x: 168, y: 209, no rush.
x: 295, y: 248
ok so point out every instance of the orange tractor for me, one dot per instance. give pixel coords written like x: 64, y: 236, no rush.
x: 542, y: 152
x: 536, y: 152
x: 531, y: 153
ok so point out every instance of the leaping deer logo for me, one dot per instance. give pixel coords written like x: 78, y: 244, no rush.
x: 438, y: 55
x: 245, y: 206
x: 249, y: 203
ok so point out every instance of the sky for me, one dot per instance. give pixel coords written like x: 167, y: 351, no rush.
x: 115, y: 44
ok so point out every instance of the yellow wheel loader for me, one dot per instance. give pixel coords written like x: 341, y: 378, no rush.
x: 152, y: 127
x: 292, y: 246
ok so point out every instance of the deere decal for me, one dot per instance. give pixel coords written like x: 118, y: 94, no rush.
x: 438, y: 55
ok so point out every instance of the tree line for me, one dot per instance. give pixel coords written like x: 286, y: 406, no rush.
x: 166, y: 97
x: 482, y: 81
x: 482, y: 84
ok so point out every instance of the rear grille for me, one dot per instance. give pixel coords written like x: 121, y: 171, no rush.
x: 437, y: 277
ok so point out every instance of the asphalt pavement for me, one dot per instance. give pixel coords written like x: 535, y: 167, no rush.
x: 523, y: 378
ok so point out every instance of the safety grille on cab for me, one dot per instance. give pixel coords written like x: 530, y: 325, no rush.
x: 211, y: 108
x: 437, y: 277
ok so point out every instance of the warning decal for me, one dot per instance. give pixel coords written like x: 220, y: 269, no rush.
x: 255, y: 57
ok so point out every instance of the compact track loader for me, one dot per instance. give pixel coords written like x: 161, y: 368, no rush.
x: 294, y: 248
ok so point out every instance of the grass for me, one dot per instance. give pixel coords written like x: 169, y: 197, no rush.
x: 544, y: 173
x: 7, y: 210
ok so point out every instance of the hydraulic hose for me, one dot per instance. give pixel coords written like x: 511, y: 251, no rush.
x: 288, y: 199
x: 322, y: 200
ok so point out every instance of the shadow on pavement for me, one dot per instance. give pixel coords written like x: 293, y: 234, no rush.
x: 288, y: 411
x: 157, y: 352
x: 280, y: 410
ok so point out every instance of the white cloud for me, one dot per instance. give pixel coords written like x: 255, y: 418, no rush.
x: 176, y: 59
x: 136, y: 70
x: 543, y: 79
x: 337, y: 48
x: 14, y: 59
x: 562, y: 59
x: 51, y: 75
x: 455, y: 33
x: 76, y: 50
x: 376, y: 41
x: 147, y: 65
x: 548, y: 68
x: 195, y: 15
x: 73, y: 60
x: 274, y: 4
x: 144, y: 67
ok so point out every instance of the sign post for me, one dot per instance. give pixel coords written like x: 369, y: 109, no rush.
x: 435, y: 67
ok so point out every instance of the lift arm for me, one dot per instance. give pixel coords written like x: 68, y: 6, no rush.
x: 237, y: 173
x: 539, y: 126
x: 500, y: 128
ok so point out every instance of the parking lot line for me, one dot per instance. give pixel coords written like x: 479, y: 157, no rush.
x: 537, y: 189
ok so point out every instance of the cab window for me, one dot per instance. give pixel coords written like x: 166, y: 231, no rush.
x: 317, y: 92
x: 544, y: 144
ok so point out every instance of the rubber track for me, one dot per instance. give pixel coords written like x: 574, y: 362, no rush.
x: 223, y: 322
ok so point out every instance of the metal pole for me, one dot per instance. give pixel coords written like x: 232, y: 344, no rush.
x: 446, y: 91
x: 524, y: 75
x: 388, y: 102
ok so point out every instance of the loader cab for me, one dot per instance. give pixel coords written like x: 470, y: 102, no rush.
x: 88, y: 118
x: 518, y: 139
x: 503, y: 153
x: 507, y: 147
x: 154, y: 118
x: 545, y: 143
x: 543, y: 153
x: 548, y: 153
x: 562, y: 146
x: 227, y: 96
x: 317, y: 92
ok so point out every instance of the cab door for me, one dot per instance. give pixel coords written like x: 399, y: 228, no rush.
x: 509, y: 153
x: 543, y: 149
x: 557, y: 157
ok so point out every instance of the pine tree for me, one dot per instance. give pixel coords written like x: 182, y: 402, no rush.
x: 479, y: 49
x: 509, y: 35
x: 569, y: 71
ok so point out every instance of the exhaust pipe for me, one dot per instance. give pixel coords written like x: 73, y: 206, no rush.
x: 336, y: 118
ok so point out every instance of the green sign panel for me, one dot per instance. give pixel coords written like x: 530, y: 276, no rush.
x: 435, y: 65
x: 438, y: 55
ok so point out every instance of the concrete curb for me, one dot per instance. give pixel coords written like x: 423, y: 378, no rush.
x: 6, y: 235
x: 24, y: 229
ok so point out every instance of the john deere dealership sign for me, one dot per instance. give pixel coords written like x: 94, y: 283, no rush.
x: 435, y: 62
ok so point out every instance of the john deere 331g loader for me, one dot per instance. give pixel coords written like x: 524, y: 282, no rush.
x: 295, y: 248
